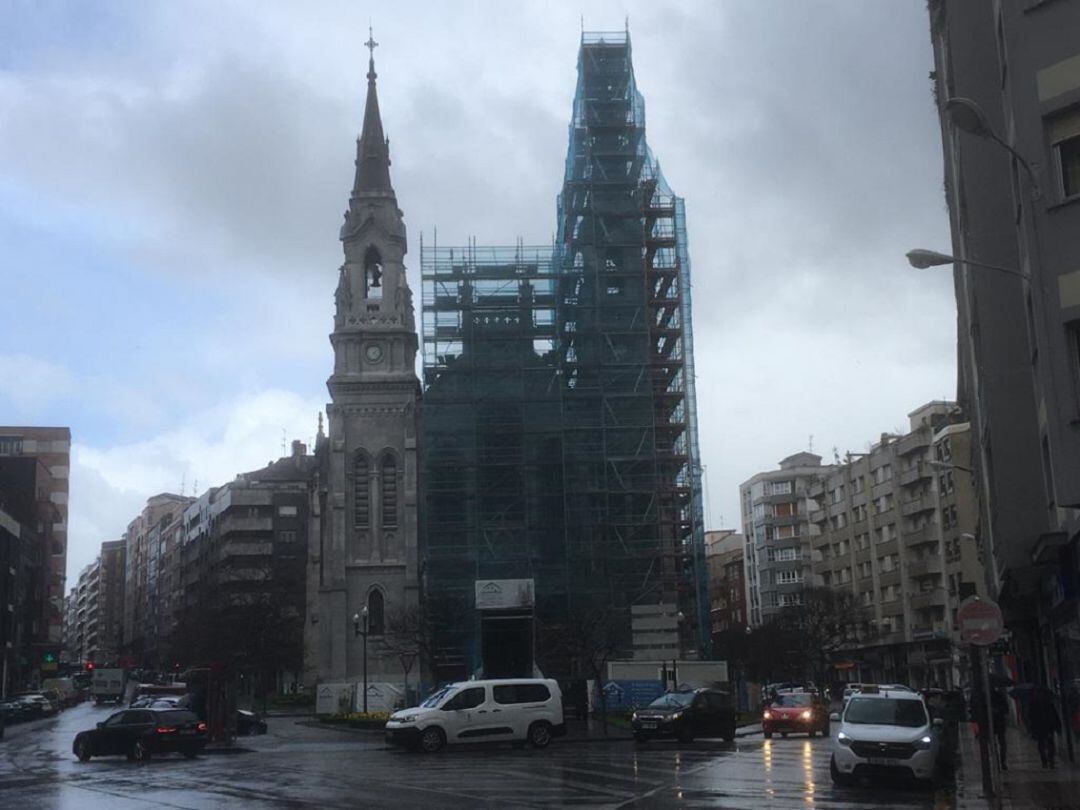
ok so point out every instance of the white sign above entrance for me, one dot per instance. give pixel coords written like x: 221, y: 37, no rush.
x: 504, y: 594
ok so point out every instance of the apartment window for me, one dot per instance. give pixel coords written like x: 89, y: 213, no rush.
x: 944, y: 449
x: 867, y: 598
x: 836, y: 495
x: 375, y: 613
x: 785, y: 509
x: 1065, y: 141
x: 11, y: 445
x: 287, y: 537
x: 785, y: 532
x: 857, y: 485
x: 784, y: 554
x: 770, y: 555
x: 862, y: 541
x: 945, y: 483
x: 788, y: 577
x: 789, y: 599
x: 780, y: 488
x: 286, y: 511
x: 759, y: 510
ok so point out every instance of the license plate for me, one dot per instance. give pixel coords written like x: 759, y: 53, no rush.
x: 881, y: 761
x: 648, y: 725
x: 187, y: 731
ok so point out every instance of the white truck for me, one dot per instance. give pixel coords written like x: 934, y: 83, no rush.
x: 107, y: 685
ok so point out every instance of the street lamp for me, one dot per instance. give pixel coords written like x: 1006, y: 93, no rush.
x: 966, y: 115
x: 921, y: 259
x: 360, y: 628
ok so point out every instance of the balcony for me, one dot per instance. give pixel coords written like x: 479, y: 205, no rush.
x: 235, y: 523
x: 924, y: 503
x: 927, y: 534
x: 818, y: 516
x: 914, y: 441
x: 931, y: 564
x: 886, y: 578
x: 920, y: 472
x: 928, y: 599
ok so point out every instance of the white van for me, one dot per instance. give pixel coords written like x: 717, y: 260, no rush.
x: 515, y: 709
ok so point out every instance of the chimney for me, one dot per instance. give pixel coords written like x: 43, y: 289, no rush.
x: 298, y: 448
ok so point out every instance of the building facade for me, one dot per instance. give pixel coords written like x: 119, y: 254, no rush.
x: 1007, y: 84
x: 778, y: 533
x: 725, y: 555
x: 51, y: 448
x: 897, y: 530
x: 364, y: 555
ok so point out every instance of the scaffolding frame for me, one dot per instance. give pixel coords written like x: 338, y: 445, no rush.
x: 560, y: 433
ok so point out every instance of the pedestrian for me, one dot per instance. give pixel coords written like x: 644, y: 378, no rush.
x: 999, y: 708
x: 1044, y: 723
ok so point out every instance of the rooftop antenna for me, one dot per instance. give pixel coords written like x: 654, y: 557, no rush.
x: 628, y: 32
x: 183, y: 482
x: 283, y: 436
x: 195, y: 490
x: 811, y: 442
x: 836, y: 454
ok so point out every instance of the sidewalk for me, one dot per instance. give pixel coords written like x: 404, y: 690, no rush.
x: 1025, y: 784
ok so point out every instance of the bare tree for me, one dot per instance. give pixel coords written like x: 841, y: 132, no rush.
x: 583, y: 642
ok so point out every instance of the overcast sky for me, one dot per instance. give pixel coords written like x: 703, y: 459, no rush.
x: 173, y: 176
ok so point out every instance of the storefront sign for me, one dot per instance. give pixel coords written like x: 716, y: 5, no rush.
x: 504, y: 594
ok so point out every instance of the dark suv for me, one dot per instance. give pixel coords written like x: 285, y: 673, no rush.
x: 139, y: 733
x: 685, y: 715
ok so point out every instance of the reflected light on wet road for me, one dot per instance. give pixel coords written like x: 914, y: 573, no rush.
x: 808, y: 771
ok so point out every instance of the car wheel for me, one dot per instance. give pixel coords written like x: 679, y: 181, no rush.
x: 140, y: 752
x: 432, y: 739
x: 540, y: 734
x: 768, y: 735
x: 82, y: 751
x: 837, y: 777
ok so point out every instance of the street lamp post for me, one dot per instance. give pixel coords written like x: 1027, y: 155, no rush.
x: 921, y: 259
x: 360, y: 628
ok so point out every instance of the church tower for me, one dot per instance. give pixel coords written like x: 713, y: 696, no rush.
x: 368, y: 540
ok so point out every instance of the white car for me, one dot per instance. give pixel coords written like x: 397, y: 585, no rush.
x: 884, y: 731
x: 518, y: 710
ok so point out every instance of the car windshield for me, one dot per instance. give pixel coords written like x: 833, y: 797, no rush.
x: 886, y: 712
x: 797, y: 699
x: 435, y: 698
x: 672, y: 700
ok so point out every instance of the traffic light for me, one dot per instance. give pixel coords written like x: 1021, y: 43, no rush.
x: 89, y: 666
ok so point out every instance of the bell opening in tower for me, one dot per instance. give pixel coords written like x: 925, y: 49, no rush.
x: 373, y: 273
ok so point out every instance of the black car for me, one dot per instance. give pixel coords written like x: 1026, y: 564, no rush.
x: 248, y: 723
x: 685, y: 715
x: 140, y: 733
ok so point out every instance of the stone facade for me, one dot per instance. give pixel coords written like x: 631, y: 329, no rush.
x: 364, y: 547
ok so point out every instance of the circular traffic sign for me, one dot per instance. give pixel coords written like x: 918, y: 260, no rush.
x: 980, y: 621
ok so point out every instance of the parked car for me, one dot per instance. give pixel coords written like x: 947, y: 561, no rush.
x: 519, y: 710
x: 685, y: 715
x: 141, y: 733
x: 16, y: 711
x: 883, y: 732
x: 795, y: 712
x: 249, y: 723
x: 40, y: 705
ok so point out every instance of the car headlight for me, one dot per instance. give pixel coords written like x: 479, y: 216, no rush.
x: 407, y: 718
x: 924, y: 742
x: 677, y: 716
x: 843, y: 739
x: 806, y: 715
x: 634, y: 717
x: 767, y: 715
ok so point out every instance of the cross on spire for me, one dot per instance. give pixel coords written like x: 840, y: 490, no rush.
x: 371, y: 45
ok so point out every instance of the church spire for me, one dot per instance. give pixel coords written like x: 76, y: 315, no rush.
x: 372, y: 148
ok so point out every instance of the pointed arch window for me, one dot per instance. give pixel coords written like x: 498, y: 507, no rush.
x: 389, y: 492
x: 373, y: 273
x: 361, y: 491
x: 375, y: 605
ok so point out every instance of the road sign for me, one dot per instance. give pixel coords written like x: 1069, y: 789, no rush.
x: 980, y: 621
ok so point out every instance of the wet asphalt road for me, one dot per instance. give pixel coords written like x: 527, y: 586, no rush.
x: 299, y: 766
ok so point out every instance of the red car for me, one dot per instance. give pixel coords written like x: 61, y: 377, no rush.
x: 795, y: 713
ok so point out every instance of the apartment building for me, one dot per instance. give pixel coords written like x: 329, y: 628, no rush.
x: 1007, y: 84
x: 724, y: 560
x: 777, y: 534
x: 896, y: 527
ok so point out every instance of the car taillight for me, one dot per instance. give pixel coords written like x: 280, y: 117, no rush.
x: 166, y: 729
x: 201, y: 727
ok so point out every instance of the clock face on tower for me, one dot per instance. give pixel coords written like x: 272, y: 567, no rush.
x: 373, y: 352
